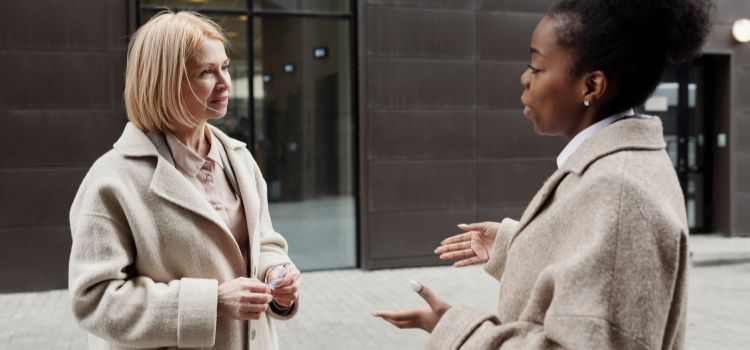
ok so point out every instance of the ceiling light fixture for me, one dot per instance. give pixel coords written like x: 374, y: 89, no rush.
x: 741, y: 30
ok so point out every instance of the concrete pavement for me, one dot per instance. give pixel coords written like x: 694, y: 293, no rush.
x: 337, y: 306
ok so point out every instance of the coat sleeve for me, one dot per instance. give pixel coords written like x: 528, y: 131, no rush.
x: 505, y: 232
x: 622, y: 290
x: 109, y: 298
x: 273, y: 246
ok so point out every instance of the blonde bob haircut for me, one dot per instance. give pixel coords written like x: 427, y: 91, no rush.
x: 156, y: 72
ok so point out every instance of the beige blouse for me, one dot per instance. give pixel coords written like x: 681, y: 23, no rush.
x: 209, y: 178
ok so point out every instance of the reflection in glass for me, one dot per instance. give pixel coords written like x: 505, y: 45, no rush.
x: 303, y: 135
x: 665, y: 103
x: 197, y: 5
x: 695, y: 200
x: 302, y: 5
x: 300, y: 129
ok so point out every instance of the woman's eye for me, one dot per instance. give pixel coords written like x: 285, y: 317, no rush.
x: 533, y: 69
x: 225, y: 67
x: 206, y: 72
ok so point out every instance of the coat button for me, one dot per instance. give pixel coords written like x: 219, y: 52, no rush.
x: 252, y: 335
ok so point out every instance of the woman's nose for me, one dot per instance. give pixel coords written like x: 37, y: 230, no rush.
x: 525, y: 79
x: 225, y: 82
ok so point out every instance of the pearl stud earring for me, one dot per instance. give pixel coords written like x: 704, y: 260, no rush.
x: 586, y: 103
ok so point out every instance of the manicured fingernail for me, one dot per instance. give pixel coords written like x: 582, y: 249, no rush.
x: 462, y: 226
x: 416, y: 286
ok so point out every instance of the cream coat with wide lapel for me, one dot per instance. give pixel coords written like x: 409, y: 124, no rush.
x: 598, y: 259
x: 149, y: 252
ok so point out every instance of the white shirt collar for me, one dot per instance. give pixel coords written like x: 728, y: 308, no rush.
x: 582, y: 136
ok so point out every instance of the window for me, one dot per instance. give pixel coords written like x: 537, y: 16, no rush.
x: 294, y: 58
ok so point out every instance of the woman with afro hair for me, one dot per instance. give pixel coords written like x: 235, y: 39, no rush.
x: 599, y: 258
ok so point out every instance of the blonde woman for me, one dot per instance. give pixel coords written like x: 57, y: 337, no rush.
x: 173, y: 244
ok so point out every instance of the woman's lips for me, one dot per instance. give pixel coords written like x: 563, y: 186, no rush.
x: 221, y: 101
x: 527, y: 111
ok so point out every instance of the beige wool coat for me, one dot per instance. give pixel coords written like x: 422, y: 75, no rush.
x: 598, y: 260
x: 149, y: 251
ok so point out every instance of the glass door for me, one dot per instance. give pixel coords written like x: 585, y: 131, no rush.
x: 292, y: 103
x: 304, y: 128
x: 680, y: 101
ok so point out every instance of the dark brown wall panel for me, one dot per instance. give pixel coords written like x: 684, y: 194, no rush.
x: 505, y: 35
x: 34, y: 258
x: 499, y: 84
x: 720, y: 38
x: 727, y: 11
x: 421, y: 134
x: 742, y: 53
x: 57, y: 138
x: 742, y: 143
x: 37, y: 196
x: 515, y: 5
x: 511, y: 135
x: 511, y: 182
x: 741, y: 225
x: 497, y: 214
x: 421, y: 185
x: 63, y: 68
x: 742, y: 86
x: 414, y: 233
x: 420, y: 83
x: 417, y: 32
x: 38, y: 80
x: 742, y: 173
x: 64, y: 25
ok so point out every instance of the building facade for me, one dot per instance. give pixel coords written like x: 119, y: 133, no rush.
x: 379, y: 124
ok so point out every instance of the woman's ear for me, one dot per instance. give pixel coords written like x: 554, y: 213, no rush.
x: 596, y: 85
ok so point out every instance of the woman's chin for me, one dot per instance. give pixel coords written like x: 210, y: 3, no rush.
x: 213, y: 115
x: 538, y: 129
x: 541, y: 130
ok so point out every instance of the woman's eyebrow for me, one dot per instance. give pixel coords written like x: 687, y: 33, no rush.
x: 209, y: 64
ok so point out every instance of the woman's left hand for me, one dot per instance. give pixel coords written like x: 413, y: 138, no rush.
x: 285, y: 293
x: 426, y: 318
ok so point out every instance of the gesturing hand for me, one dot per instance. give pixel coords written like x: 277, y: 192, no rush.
x: 426, y: 318
x: 243, y: 298
x: 473, y: 246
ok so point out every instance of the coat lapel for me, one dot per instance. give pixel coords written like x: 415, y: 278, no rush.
x: 540, y: 199
x: 246, y: 185
x: 167, y: 182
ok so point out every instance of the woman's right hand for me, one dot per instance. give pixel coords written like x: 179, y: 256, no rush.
x: 243, y: 298
x: 472, y: 247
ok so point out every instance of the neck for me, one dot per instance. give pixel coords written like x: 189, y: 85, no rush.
x: 195, y: 139
x: 589, y: 118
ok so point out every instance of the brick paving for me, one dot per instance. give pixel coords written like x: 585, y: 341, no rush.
x: 337, y: 306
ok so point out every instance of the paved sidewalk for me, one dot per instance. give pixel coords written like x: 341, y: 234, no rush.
x: 336, y: 307
x: 711, y: 250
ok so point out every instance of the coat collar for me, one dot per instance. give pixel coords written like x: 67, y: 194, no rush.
x: 169, y: 184
x: 638, y: 133
x: 135, y: 142
x: 630, y: 134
